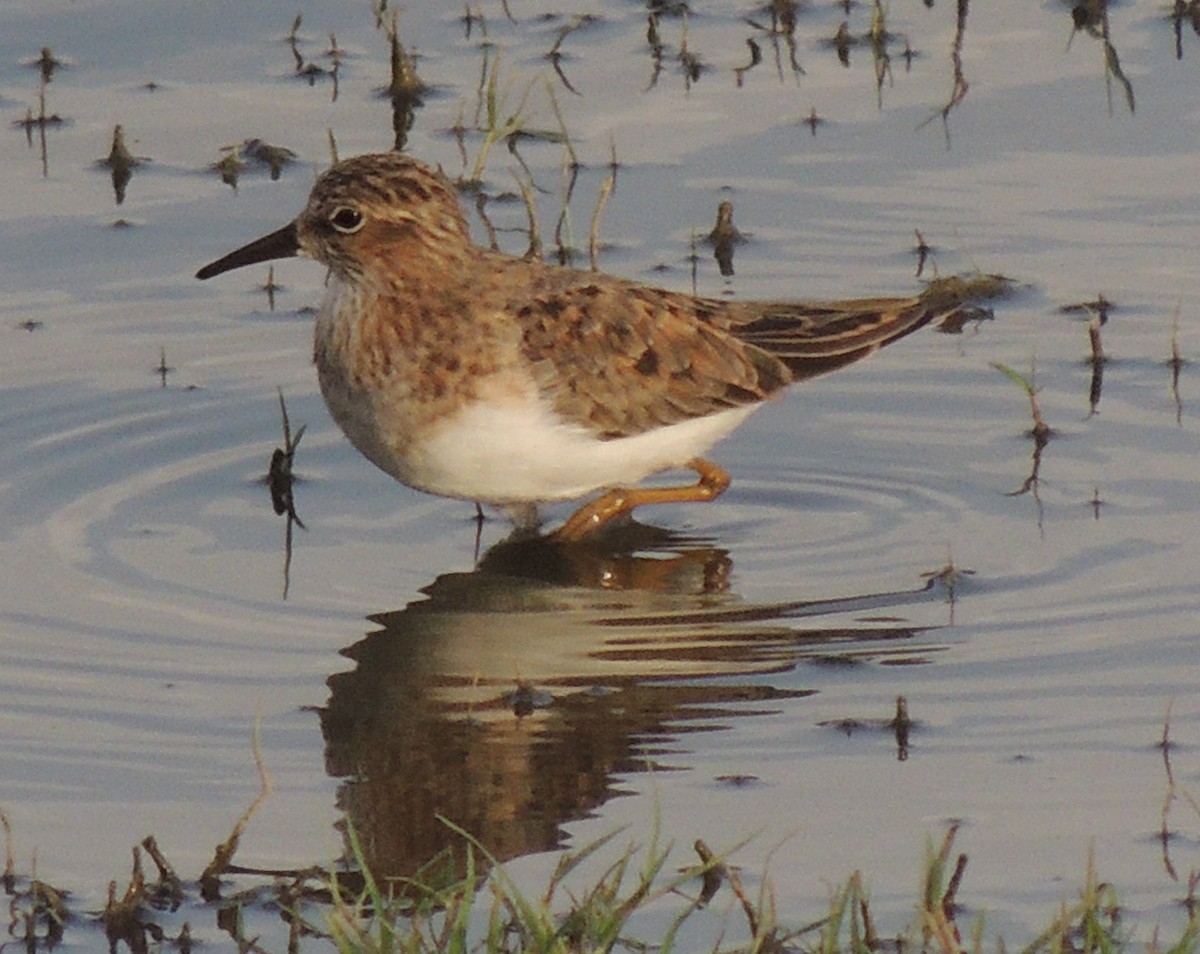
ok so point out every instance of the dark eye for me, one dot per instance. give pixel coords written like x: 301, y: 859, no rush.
x: 346, y: 219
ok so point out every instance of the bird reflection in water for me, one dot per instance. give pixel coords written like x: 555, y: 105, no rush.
x: 510, y: 699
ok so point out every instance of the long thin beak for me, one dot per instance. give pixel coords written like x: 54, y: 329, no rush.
x: 279, y: 244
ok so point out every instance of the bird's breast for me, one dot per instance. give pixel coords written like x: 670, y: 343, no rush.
x: 397, y: 379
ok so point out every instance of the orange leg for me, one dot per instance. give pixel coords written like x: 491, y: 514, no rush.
x: 585, y: 520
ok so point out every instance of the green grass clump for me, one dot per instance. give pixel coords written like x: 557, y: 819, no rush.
x: 464, y: 901
x: 488, y: 913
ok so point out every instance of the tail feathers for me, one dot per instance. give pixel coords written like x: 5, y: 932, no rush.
x: 813, y: 338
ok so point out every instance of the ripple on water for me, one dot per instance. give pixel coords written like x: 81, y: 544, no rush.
x: 141, y: 552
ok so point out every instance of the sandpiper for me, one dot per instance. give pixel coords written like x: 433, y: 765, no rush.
x: 469, y: 373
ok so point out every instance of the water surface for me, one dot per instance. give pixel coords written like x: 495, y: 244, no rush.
x: 764, y: 638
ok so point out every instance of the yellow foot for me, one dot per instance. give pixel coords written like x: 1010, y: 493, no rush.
x: 590, y: 517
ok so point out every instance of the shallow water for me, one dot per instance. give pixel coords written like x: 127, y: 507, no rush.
x: 145, y: 628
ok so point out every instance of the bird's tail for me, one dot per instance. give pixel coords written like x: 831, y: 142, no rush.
x: 813, y: 338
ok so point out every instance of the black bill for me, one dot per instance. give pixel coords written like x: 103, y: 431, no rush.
x: 279, y: 244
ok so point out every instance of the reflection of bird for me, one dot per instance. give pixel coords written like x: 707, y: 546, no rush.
x: 473, y: 374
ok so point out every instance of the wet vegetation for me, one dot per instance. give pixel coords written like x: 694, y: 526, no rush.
x: 645, y: 897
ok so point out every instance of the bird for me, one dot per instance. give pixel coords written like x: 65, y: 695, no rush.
x: 470, y: 373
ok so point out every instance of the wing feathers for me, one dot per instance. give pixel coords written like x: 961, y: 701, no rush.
x: 620, y: 358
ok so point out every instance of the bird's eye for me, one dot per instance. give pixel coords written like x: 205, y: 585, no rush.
x: 346, y: 220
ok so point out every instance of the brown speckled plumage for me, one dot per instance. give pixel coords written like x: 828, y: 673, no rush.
x: 422, y: 326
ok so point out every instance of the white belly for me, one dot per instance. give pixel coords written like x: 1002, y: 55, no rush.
x: 520, y: 453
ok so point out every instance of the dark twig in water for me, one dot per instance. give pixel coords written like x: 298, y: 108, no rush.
x: 949, y: 576
x: 782, y: 27
x: 261, y: 153
x: 405, y: 89
x: 654, y: 41
x: 292, y: 39
x: 335, y: 55
x: 922, y: 251
x: 1099, y: 307
x: 229, y: 167
x: 121, y: 915
x: 280, y: 480
x: 1176, y: 363
x: 9, y: 866
x: 1040, y: 432
x: 46, y: 65
x: 960, y: 86
x: 1097, y: 361
x: 694, y: 263
x: 724, y: 237
x: 691, y: 63
x: 878, y: 38
x: 280, y: 477
x: 47, y: 905
x: 121, y: 163
x: 271, y: 287
x: 739, y: 72
x: 240, y: 156
x: 842, y: 42
x: 1091, y: 16
x: 168, y: 891
x: 712, y: 874
x: 555, y: 55
x: 1169, y: 796
x: 1184, y: 10
x: 308, y: 70
x: 960, y: 868
x: 938, y: 897
x: 480, y: 519
x: 470, y: 18
x: 163, y: 368
x: 901, y: 725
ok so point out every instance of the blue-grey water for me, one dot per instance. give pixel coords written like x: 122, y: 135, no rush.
x: 143, y: 626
